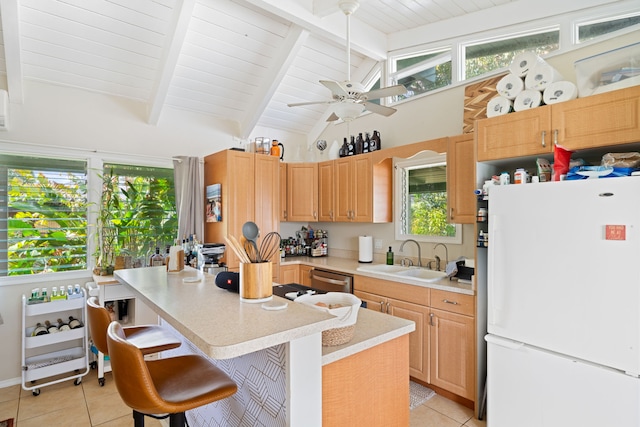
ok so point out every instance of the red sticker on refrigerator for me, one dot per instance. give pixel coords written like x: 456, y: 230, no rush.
x: 615, y: 232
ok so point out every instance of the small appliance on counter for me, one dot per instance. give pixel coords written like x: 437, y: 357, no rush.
x: 212, y: 252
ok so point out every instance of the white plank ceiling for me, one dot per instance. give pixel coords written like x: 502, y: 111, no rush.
x: 237, y: 60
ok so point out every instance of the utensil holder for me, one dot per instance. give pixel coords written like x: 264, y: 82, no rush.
x: 256, y: 282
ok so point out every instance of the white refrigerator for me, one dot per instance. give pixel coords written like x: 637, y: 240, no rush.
x: 563, y: 343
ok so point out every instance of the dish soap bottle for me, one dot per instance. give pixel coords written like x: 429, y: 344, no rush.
x: 390, y: 256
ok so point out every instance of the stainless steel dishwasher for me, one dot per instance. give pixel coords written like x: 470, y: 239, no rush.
x: 330, y: 281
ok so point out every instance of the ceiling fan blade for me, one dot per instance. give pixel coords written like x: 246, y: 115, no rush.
x: 335, y: 88
x: 333, y: 117
x: 384, y: 92
x: 379, y: 109
x: 298, y: 104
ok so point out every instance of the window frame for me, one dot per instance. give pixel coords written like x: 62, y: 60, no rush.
x: 95, y: 161
x: 424, y: 158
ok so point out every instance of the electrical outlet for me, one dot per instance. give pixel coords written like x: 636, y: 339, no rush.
x: 377, y: 243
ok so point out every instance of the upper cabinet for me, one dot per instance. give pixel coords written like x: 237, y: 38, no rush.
x: 610, y: 118
x: 326, y: 193
x: 250, y: 192
x: 302, y: 192
x: 461, y: 173
x: 362, y: 190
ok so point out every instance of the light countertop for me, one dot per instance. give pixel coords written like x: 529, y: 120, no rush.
x: 350, y: 266
x: 217, y: 322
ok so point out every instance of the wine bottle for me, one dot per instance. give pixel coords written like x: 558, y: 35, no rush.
x: 39, y: 330
x: 62, y: 326
x: 344, y: 149
x: 367, y: 143
x: 52, y: 329
x: 74, y: 323
x: 352, y: 146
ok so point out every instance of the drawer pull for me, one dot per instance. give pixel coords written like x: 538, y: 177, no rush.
x: 450, y: 302
x: 431, y: 319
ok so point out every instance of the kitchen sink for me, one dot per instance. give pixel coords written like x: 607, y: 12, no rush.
x: 417, y: 274
x: 423, y: 273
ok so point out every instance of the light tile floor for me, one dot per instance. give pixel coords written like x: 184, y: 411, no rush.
x: 89, y: 405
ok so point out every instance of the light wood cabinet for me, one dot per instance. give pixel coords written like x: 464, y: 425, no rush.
x: 283, y: 192
x: 607, y: 119
x: 442, y: 348
x: 451, y: 338
x: 302, y: 192
x: 305, y: 275
x: 250, y: 188
x: 326, y: 191
x: 362, y: 189
x: 461, y: 177
x: 289, y: 274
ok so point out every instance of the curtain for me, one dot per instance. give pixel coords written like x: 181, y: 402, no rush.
x: 188, y: 176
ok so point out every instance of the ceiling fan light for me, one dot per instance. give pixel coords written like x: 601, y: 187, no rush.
x: 348, y: 111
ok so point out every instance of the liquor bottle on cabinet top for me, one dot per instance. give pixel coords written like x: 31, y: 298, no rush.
x: 352, y: 146
x: 367, y: 143
x: 376, y: 140
x: 359, y: 143
x: 344, y: 149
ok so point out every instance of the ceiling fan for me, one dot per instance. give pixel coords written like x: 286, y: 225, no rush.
x: 349, y: 99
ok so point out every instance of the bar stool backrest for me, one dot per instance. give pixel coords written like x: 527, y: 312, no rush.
x: 99, y: 320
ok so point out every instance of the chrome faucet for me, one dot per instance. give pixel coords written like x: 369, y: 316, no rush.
x: 446, y: 256
x: 419, y: 250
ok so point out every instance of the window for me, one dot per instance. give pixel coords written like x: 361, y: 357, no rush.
x: 142, y: 210
x: 422, y: 72
x: 591, y: 30
x: 486, y: 56
x: 421, y: 212
x: 44, y: 215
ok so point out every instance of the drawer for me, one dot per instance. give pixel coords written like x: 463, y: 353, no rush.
x: 453, y: 302
x: 116, y: 291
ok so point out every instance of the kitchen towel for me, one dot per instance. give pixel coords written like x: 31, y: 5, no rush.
x: 510, y: 86
x: 560, y: 92
x: 541, y: 76
x: 523, y: 63
x: 365, y: 252
x: 527, y: 99
x: 499, y: 106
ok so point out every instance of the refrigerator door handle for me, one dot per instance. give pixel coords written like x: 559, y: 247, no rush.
x: 494, y: 284
x: 511, y: 345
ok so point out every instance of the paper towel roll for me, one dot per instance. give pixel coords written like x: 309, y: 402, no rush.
x: 560, y: 92
x: 510, y: 86
x: 499, y: 106
x: 524, y: 62
x: 542, y: 76
x: 527, y: 99
x: 365, y: 245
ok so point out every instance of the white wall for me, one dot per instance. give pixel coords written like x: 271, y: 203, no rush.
x: 54, y: 116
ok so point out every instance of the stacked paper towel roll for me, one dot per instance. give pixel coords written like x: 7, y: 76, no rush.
x: 531, y: 82
x: 365, y: 245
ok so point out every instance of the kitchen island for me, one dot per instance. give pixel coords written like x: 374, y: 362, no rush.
x: 276, y: 357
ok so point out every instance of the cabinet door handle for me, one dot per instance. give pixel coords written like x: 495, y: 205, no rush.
x: 544, y: 134
x: 431, y: 319
x: 388, y: 307
x: 446, y: 301
x: 381, y: 306
x: 331, y: 215
x: 451, y: 213
x: 315, y: 215
x: 555, y: 136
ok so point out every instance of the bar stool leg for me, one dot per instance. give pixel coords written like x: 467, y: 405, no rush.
x: 177, y: 420
x: 138, y: 419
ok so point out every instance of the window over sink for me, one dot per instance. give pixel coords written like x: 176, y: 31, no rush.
x: 421, y: 203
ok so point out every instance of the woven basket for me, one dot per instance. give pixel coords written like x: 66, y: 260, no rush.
x: 348, y: 315
x: 337, y: 336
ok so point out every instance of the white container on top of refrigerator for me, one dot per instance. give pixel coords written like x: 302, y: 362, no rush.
x: 564, y: 304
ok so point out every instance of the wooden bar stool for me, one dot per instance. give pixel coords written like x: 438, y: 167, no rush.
x: 148, y: 338
x: 165, y: 386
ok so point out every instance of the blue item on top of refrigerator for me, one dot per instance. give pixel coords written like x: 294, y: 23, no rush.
x: 585, y: 172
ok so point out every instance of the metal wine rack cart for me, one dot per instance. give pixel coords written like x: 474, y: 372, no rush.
x: 55, y: 357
